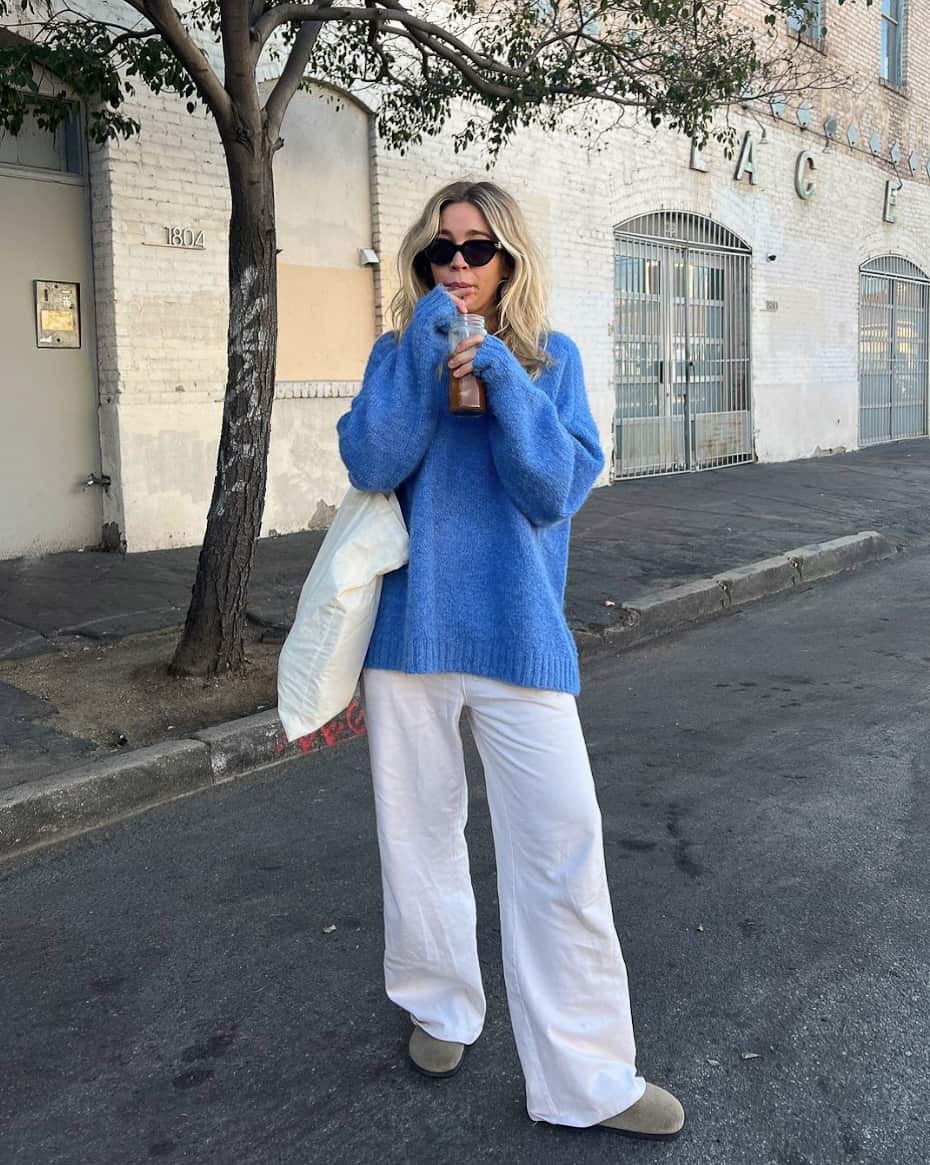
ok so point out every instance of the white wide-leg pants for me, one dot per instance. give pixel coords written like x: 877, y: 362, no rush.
x: 565, y: 976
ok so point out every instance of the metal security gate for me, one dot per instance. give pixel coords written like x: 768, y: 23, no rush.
x: 681, y: 346
x: 893, y: 315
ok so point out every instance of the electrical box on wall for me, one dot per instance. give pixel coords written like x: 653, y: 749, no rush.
x: 58, y: 316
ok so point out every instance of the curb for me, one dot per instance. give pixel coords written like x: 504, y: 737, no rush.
x: 86, y: 796
x: 56, y: 807
x: 674, y: 608
x: 40, y: 812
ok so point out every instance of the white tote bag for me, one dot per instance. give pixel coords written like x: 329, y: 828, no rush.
x: 322, y: 657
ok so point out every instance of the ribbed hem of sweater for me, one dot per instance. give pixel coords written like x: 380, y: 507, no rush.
x: 551, y: 672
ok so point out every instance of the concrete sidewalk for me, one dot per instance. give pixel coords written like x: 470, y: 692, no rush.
x: 630, y: 543
x: 629, y: 538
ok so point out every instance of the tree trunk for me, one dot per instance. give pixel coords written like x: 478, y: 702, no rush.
x: 212, y: 642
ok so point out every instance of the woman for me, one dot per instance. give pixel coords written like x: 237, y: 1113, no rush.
x: 475, y: 621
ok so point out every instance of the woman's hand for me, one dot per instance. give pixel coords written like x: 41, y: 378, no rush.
x: 460, y: 362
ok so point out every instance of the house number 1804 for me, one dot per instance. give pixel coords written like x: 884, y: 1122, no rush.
x: 184, y: 237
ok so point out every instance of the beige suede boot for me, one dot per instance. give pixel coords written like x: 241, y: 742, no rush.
x: 656, y: 1116
x: 432, y: 1057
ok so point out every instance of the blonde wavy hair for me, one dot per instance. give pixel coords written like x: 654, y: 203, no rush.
x: 522, y: 321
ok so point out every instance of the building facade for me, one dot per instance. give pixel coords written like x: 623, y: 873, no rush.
x: 770, y: 305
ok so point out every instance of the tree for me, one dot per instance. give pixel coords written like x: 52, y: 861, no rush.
x: 516, y: 62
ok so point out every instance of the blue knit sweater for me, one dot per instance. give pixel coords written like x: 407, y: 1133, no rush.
x: 488, y: 502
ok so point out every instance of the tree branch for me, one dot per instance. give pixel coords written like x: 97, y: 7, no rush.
x: 142, y: 34
x: 162, y: 15
x: 454, y: 42
x: 291, y: 76
x: 239, y: 67
x: 422, y: 41
x: 299, y: 13
x: 441, y: 42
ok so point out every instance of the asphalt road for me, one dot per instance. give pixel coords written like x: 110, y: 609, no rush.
x: 172, y: 989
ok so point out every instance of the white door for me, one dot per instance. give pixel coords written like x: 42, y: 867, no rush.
x: 49, y: 441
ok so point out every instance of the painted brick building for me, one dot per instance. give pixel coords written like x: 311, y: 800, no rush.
x: 773, y: 305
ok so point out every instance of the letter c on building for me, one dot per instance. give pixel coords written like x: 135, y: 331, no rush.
x: 804, y: 186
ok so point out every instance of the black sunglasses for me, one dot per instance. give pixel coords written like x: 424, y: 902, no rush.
x: 476, y: 252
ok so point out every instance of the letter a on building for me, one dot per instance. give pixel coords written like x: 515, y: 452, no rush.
x: 747, y: 160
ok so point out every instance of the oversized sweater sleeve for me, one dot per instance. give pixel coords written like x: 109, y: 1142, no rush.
x: 546, y: 449
x: 385, y: 435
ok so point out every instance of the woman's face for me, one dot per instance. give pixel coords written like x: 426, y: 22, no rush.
x: 476, y: 286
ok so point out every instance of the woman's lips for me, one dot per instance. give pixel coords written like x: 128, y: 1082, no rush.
x: 459, y: 287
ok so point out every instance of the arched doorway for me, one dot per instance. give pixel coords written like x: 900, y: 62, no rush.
x: 893, y: 315
x: 328, y: 285
x: 326, y: 291
x: 681, y: 345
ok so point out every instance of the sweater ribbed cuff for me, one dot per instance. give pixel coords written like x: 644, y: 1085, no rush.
x: 493, y: 356
x: 503, y: 373
x: 435, y: 311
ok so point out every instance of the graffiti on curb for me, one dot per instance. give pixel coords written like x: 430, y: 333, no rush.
x: 346, y: 725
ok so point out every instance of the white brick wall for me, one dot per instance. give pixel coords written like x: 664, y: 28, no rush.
x: 166, y: 302
x: 805, y: 354
x: 161, y: 312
